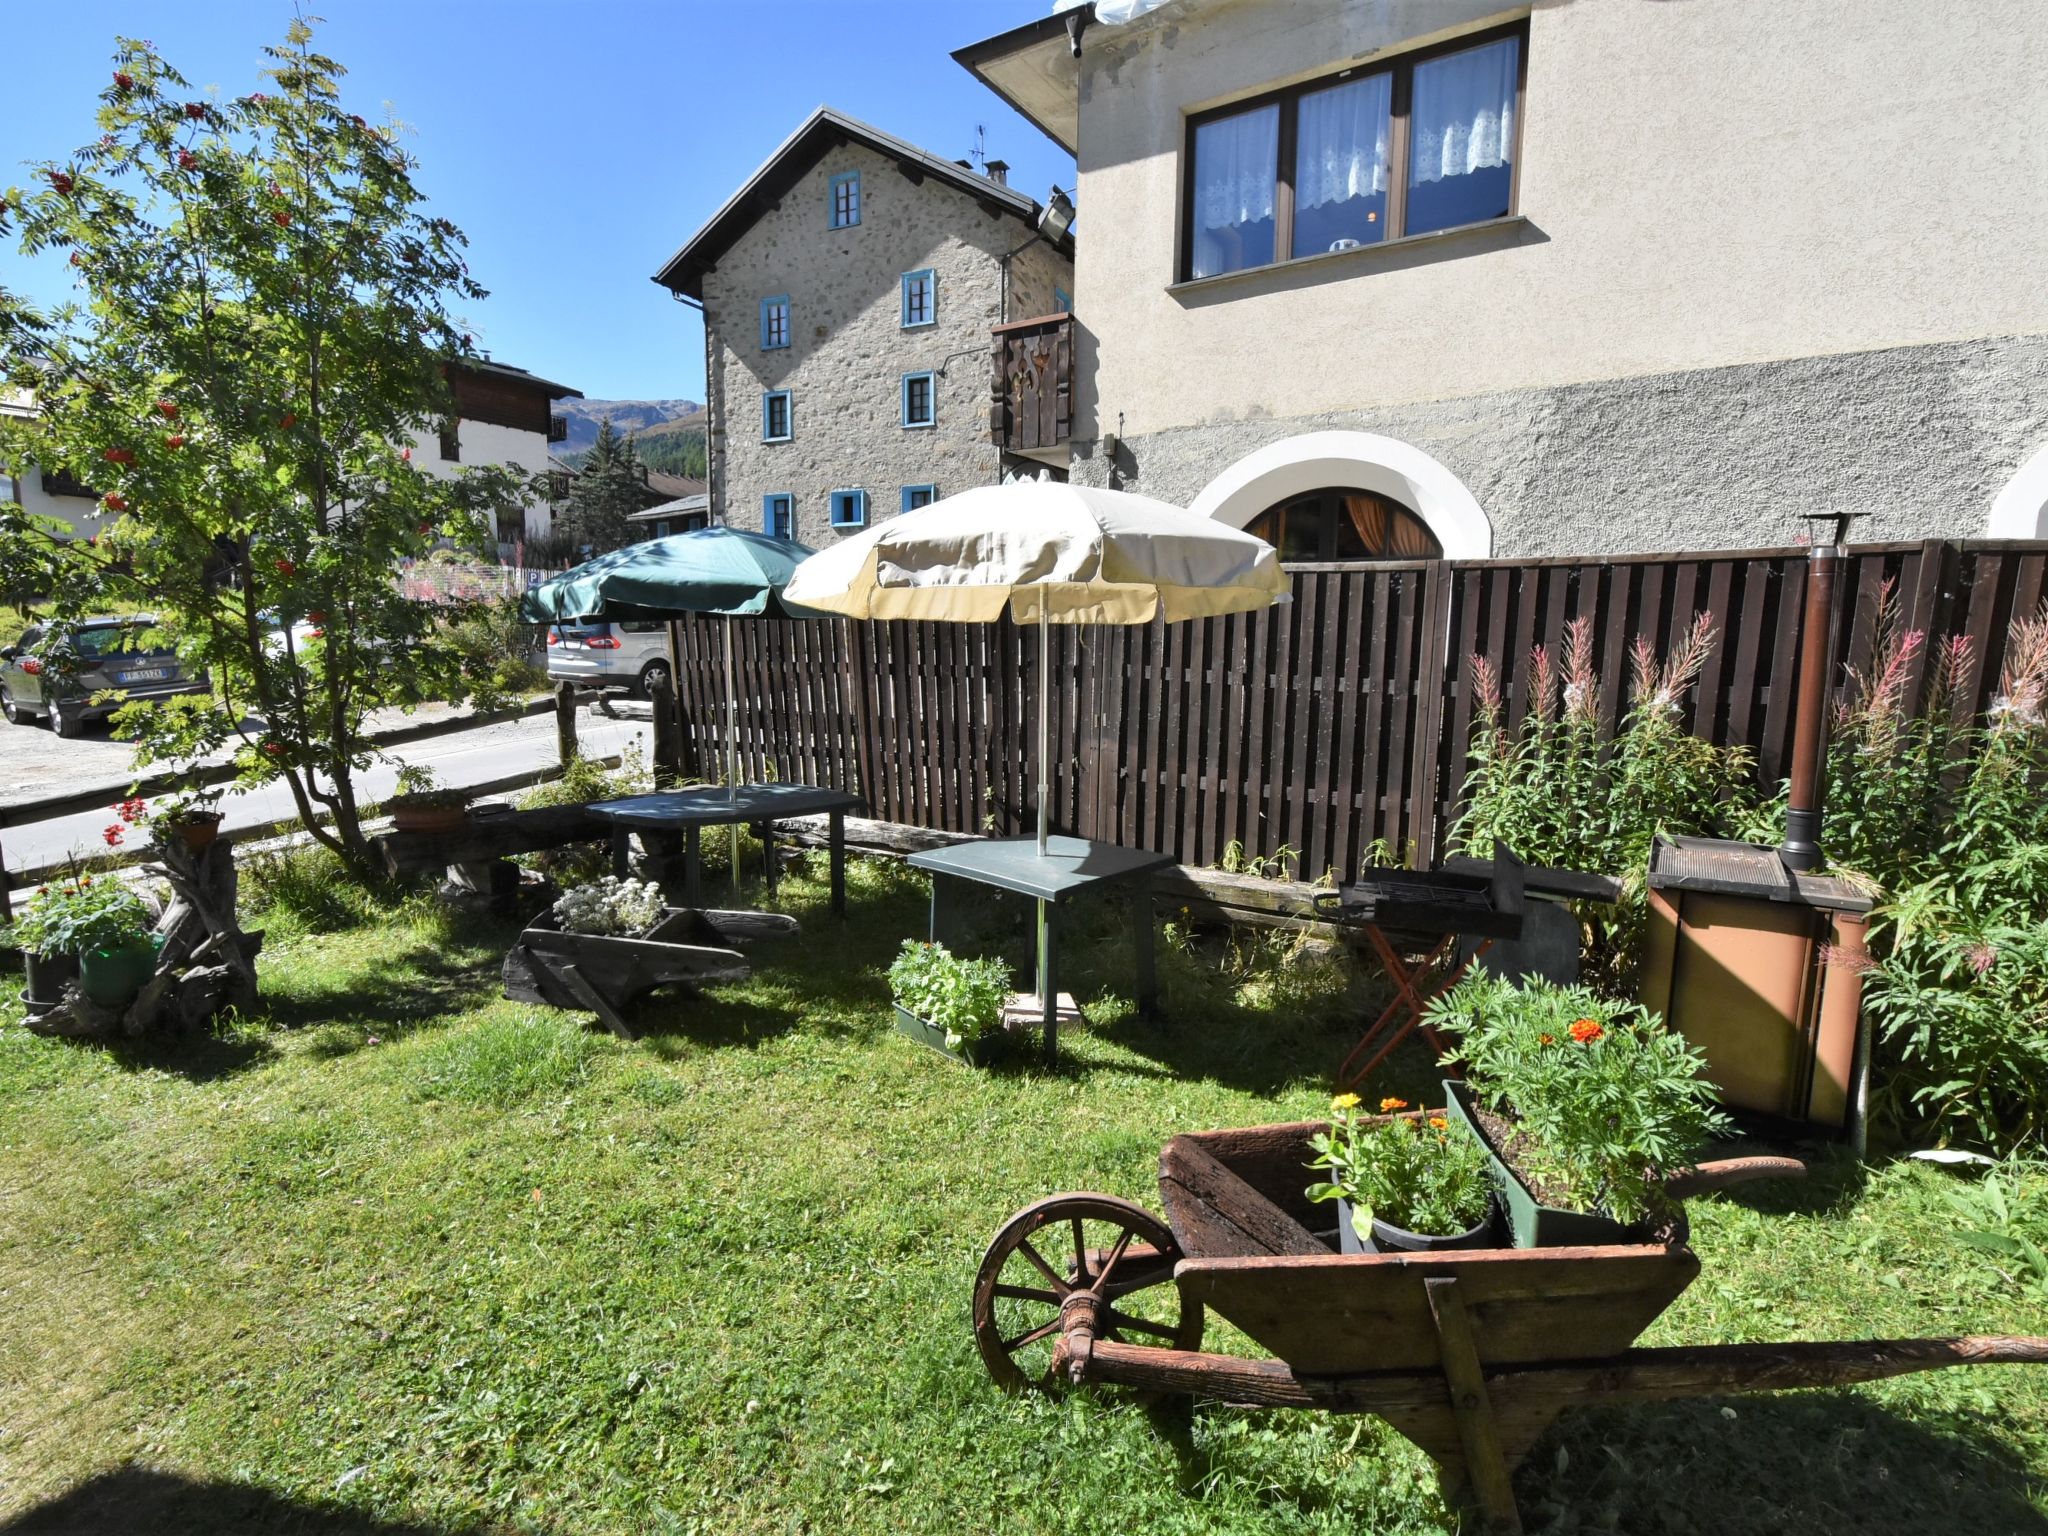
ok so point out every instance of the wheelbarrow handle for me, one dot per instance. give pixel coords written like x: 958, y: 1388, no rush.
x: 1727, y: 1172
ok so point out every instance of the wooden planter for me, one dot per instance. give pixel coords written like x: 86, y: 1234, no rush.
x: 1532, y: 1223
x: 605, y: 974
x: 976, y: 1053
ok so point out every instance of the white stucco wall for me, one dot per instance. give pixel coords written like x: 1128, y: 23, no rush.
x: 1705, y: 183
x: 84, y: 517
x: 483, y: 442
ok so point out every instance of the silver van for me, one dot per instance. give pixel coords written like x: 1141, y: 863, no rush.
x: 609, y: 653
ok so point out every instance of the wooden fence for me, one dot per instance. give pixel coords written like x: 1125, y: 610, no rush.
x: 1322, y: 725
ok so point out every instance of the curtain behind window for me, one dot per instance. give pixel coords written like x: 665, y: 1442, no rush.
x: 1464, y: 112
x: 1340, y: 164
x: 1236, y: 165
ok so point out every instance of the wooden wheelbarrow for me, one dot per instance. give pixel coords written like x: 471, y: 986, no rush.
x: 1470, y: 1354
x: 606, y: 974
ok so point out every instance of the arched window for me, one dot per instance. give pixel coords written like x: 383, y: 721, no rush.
x: 1343, y: 523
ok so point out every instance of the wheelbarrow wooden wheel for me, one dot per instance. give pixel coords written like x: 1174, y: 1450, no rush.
x: 1068, y: 1243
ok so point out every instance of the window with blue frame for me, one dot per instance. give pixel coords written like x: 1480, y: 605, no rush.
x: 777, y: 418
x: 775, y: 322
x: 1062, y: 301
x: 849, y: 509
x: 778, y: 515
x: 845, y: 199
x: 920, y: 299
x: 920, y: 400
x: 915, y: 496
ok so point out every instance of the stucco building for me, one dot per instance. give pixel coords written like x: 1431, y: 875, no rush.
x: 853, y: 290
x: 1598, y: 276
x: 502, y: 416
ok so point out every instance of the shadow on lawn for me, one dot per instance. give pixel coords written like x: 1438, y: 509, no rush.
x: 143, y: 1499
x: 1824, y: 1461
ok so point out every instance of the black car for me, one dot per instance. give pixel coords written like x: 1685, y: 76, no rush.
x: 43, y: 678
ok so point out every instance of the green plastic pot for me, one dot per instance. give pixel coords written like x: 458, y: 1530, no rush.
x: 1534, y: 1224
x: 112, y: 977
x: 976, y: 1053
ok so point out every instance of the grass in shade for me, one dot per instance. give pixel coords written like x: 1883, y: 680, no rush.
x: 404, y: 1257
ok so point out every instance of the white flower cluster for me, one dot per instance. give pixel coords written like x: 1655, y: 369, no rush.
x: 610, y: 905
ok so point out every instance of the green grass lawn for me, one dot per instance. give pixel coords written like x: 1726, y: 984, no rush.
x: 405, y: 1257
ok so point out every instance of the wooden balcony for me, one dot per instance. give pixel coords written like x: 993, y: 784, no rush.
x: 558, y: 428
x: 1031, y: 385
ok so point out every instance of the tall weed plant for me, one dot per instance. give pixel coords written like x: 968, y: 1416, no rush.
x: 1559, y: 792
x: 1945, y: 814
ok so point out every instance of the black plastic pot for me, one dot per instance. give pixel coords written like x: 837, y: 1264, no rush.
x: 1391, y: 1239
x: 46, y: 977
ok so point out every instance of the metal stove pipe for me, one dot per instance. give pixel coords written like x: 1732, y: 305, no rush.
x: 1801, y: 849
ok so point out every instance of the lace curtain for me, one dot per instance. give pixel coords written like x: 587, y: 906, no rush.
x: 1342, y: 142
x: 1464, y: 111
x: 1236, y: 159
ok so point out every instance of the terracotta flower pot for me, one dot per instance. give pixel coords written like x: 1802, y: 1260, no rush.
x: 430, y: 818
x: 197, y: 833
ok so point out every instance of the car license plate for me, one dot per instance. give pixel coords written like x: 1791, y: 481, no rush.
x: 145, y: 675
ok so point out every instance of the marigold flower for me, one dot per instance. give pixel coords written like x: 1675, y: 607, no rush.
x: 1345, y: 1101
x: 1546, y: 1039
x: 1439, y: 1123
x: 1585, y: 1031
x: 1389, y: 1106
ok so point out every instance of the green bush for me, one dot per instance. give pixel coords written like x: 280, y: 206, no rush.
x: 497, y: 649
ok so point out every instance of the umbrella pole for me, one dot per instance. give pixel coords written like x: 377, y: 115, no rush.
x: 732, y: 750
x: 1045, y: 998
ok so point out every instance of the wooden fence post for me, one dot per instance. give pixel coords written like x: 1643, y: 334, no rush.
x: 6, y: 901
x: 565, y: 722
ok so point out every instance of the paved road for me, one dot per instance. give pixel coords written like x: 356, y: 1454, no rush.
x: 458, y: 759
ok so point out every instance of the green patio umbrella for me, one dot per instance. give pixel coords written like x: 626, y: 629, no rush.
x: 727, y: 572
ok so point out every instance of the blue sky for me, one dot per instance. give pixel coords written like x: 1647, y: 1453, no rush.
x: 576, y: 142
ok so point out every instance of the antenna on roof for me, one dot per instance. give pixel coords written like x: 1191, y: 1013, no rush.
x: 979, y: 154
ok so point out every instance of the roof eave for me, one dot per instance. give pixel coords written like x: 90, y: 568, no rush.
x: 1033, y: 34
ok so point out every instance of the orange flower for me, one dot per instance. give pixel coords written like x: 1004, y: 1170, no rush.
x: 1547, y: 1039
x: 1439, y: 1123
x: 1389, y: 1106
x: 1585, y: 1031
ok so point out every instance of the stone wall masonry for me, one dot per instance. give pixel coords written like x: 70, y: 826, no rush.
x: 848, y: 349
x: 1922, y: 438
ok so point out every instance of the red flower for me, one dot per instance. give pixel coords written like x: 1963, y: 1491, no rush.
x: 61, y: 181
x: 115, y: 501
x: 284, y: 567
x: 195, y: 109
x: 1586, y: 1031
x: 168, y: 407
x: 112, y: 836
x: 175, y: 440
x: 118, y: 456
x: 280, y: 218
x: 123, y: 82
x: 405, y: 454
x: 288, y: 421
x: 186, y: 159
x: 426, y: 527
x: 258, y: 96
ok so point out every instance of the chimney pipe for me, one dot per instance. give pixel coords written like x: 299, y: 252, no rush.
x: 1801, y: 850
x: 997, y: 171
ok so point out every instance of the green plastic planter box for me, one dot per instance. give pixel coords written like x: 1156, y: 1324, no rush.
x: 1533, y: 1224
x: 976, y: 1053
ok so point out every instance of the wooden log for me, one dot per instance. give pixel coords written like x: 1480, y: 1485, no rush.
x: 486, y: 838
x: 1485, y: 1464
x: 565, y: 723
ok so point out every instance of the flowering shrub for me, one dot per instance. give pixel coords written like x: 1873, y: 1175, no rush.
x: 1607, y: 1098
x: 962, y: 997
x: 1559, y: 792
x: 1422, y: 1174
x: 610, y: 905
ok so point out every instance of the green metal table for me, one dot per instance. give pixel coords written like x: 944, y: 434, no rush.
x: 1070, y: 867
x: 689, y: 811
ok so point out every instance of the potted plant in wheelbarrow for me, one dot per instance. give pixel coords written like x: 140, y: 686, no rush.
x: 96, y: 930
x: 955, y: 1006
x: 1591, y: 1112
x: 1403, y: 1182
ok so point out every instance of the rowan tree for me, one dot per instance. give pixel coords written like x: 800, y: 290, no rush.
x: 260, y: 337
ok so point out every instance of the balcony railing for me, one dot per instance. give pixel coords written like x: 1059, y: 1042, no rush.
x: 558, y: 429
x: 1031, y: 388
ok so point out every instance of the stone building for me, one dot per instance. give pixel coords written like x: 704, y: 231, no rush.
x: 852, y: 291
x: 1385, y: 277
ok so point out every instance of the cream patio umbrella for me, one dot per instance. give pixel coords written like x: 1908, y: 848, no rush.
x: 1044, y: 553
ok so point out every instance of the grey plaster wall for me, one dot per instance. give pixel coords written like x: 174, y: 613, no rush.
x: 848, y: 349
x: 1923, y: 438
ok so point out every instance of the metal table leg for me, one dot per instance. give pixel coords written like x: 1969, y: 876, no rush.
x: 838, y: 835
x: 1049, y: 980
x: 767, y: 833
x: 622, y: 848
x: 1148, y: 973
x: 693, y: 866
